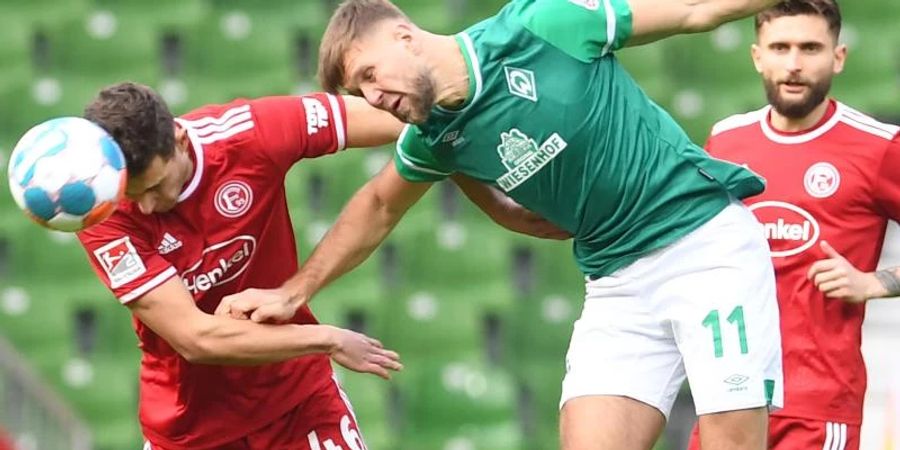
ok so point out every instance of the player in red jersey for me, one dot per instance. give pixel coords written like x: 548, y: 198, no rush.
x: 206, y: 217
x: 833, y: 183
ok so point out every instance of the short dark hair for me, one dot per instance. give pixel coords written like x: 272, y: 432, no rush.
x: 351, y: 20
x: 827, y: 9
x: 138, y: 119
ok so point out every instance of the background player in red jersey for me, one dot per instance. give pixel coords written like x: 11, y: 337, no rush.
x: 206, y: 216
x: 832, y: 186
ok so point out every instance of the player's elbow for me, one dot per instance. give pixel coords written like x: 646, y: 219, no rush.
x: 704, y: 18
x: 198, y: 353
x: 194, y: 352
x: 708, y: 15
x: 197, y: 346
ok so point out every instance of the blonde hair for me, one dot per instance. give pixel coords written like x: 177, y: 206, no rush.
x: 350, y: 21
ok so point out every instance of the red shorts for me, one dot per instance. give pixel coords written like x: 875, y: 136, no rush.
x: 788, y: 433
x: 324, y: 421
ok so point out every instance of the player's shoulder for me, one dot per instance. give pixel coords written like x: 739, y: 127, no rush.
x: 864, y: 125
x: 127, y: 218
x: 742, y: 121
x: 215, y: 128
x: 209, y: 113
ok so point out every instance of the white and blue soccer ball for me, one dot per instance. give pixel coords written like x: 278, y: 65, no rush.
x: 67, y: 174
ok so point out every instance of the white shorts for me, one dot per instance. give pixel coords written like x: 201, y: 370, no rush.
x: 704, y: 307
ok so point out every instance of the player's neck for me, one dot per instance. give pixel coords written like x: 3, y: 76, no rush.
x: 183, y: 147
x: 451, y: 74
x: 786, y: 124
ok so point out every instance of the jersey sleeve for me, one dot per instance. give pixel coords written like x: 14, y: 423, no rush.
x: 710, y: 146
x: 585, y: 29
x: 124, y: 259
x: 887, y: 185
x: 414, y: 160
x: 293, y: 128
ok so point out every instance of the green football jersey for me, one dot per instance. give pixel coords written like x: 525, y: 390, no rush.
x: 554, y: 121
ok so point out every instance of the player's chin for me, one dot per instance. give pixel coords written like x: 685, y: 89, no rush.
x: 414, y: 117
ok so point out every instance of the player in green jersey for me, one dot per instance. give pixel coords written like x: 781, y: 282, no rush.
x: 533, y: 101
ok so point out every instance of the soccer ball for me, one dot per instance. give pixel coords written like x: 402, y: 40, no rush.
x: 67, y: 174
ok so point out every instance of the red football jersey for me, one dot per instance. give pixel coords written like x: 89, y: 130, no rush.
x: 229, y: 231
x: 840, y: 182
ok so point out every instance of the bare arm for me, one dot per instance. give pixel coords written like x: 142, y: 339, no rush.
x: 368, y: 126
x: 838, y: 278
x: 506, y: 212
x: 363, y: 224
x: 207, y: 339
x: 653, y: 20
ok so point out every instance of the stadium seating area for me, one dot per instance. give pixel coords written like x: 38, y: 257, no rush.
x: 481, y: 316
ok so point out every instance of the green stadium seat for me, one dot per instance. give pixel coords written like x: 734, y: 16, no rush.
x: 15, y: 53
x: 871, y: 77
x: 718, y: 58
x: 85, y: 46
x: 505, y: 436
x: 540, y: 381
x: 446, y: 400
x: 227, y: 56
x: 476, y: 273
x: 870, y: 13
x: 280, y: 13
x: 40, y: 12
x: 423, y: 321
x: 647, y: 64
x: 45, y: 331
x: 435, y: 16
x: 163, y: 15
x: 38, y: 252
x: 113, y: 390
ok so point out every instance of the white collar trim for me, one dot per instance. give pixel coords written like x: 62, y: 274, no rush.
x: 774, y: 136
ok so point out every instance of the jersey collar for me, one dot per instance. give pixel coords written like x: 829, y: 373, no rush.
x: 198, y: 161
x: 474, y: 67
x: 802, y: 137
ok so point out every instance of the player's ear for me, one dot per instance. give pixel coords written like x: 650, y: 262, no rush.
x: 840, y: 56
x: 181, y: 138
x: 756, y: 54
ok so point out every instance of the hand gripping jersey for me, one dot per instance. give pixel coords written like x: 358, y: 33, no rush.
x: 229, y: 231
x: 839, y: 182
x: 553, y: 120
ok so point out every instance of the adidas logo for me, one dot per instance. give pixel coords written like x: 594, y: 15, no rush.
x: 168, y: 245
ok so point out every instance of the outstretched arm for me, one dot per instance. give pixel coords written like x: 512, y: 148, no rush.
x: 653, y: 20
x: 202, y: 338
x: 363, y: 224
x: 368, y: 126
x: 587, y: 30
x: 506, y: 212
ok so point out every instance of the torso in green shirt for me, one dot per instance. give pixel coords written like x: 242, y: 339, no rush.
x: 553, y: 120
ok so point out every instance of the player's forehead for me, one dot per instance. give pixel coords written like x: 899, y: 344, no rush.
x: 358, y: 58
x: 364, y: 51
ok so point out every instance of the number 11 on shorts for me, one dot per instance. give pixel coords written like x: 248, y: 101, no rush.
x: 736, y: 318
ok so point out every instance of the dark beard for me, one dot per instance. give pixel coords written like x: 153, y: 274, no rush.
x: 421, y: 103
x: 797, y: 110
